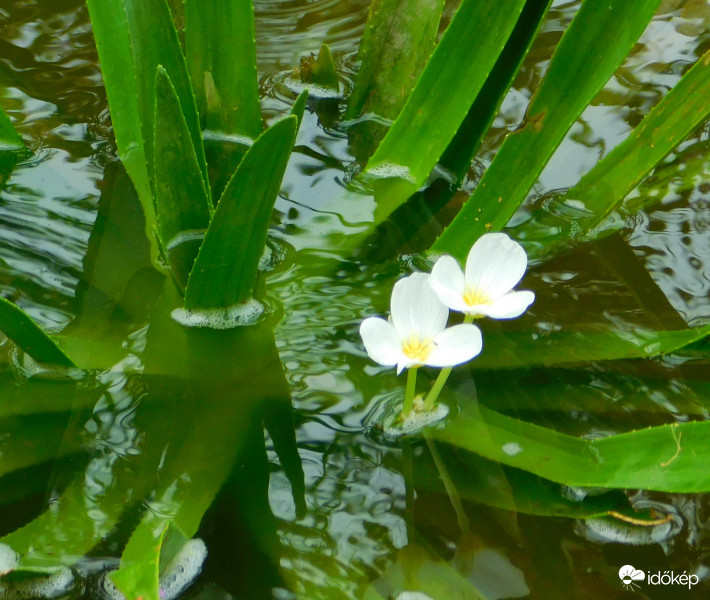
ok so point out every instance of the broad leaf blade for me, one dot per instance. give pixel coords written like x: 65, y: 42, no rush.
x: 181, y: 202
x: 225, y: 269
x: 22, y: 330
x: 449, y: 84
x: 9, y: 138
x: 221, y: 58
x: 594, y: 45
x: 527, y: 349
x: 670, y: 458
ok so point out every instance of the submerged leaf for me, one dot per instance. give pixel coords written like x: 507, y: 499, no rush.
x: 21, y: 329
x: 526, y: 349
x: 670, y: 458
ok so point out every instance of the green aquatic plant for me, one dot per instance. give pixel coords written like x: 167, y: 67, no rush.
x: 202, y: 216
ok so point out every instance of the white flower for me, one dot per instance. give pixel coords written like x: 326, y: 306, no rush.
x: 494, y: 266
x: 416, y: 333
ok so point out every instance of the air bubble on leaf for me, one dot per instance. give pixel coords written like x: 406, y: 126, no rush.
x: 413, y: 596
x: 414, y: 422
x: 315, y: 91
x: 237, y: 315
x: 210, y: 135
x: 387, y: 170
x: 190, y: 235
x: 512, y: 448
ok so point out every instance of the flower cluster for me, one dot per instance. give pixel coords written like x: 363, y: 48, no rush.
x: 416, y: 332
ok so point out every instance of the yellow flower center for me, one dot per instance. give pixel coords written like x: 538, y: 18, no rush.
x: 473, y: 296
x: 417, y: 349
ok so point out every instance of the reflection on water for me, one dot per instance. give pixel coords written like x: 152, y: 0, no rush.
x: 326, y: 509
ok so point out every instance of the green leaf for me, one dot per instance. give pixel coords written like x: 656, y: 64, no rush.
x: 133, y: 37
x: 181, y: 202
x: 460, y: 152
x: 598, y: 39
x: 450, y: 82
x: 139, y: 574
x: 603, y: 188
x: 526, y: 349
x: 9, y: 138
x: 670, y: 458
x: 154, y: 42
x: 226, y: 267
x: 398, y: 40
x: 113, y: 42
x: 21, y: 329
x: 221, y: 58
x: 299, y: 107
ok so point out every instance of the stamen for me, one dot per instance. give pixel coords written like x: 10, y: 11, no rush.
x: 473, y: 296
x: 417, y: 349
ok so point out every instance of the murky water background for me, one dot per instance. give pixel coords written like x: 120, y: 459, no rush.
x: 655, y: 272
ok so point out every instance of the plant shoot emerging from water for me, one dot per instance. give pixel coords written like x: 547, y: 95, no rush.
x: 494, y: 267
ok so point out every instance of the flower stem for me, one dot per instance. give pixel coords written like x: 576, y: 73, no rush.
x: 441, y: 379
x: 409, y: 392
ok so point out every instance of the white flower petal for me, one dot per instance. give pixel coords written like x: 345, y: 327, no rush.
x: 416, y: 309
x: 456, y: 345
x: 495, y: 265
x: 509, y: 306
x: 447, y: 280
x: 381, y: 341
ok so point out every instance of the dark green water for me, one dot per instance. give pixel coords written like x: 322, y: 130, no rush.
x: 167, y: 412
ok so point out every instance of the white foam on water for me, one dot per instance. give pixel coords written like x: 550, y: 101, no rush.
x: 512, y: 448
x: 413, y: 596
x: 188, y: 235
x: 316, y: 91
x: 108, y: 588
x: 415, y: 421
x: 220, y: 136
x: 179, y: 573
x: 183, y: 569
x: 51, y: 586
x: 9, y: 559
x: 237, y: 315
x: 387, y: 169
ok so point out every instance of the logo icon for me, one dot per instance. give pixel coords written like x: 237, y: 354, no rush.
x: 630, y: 575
